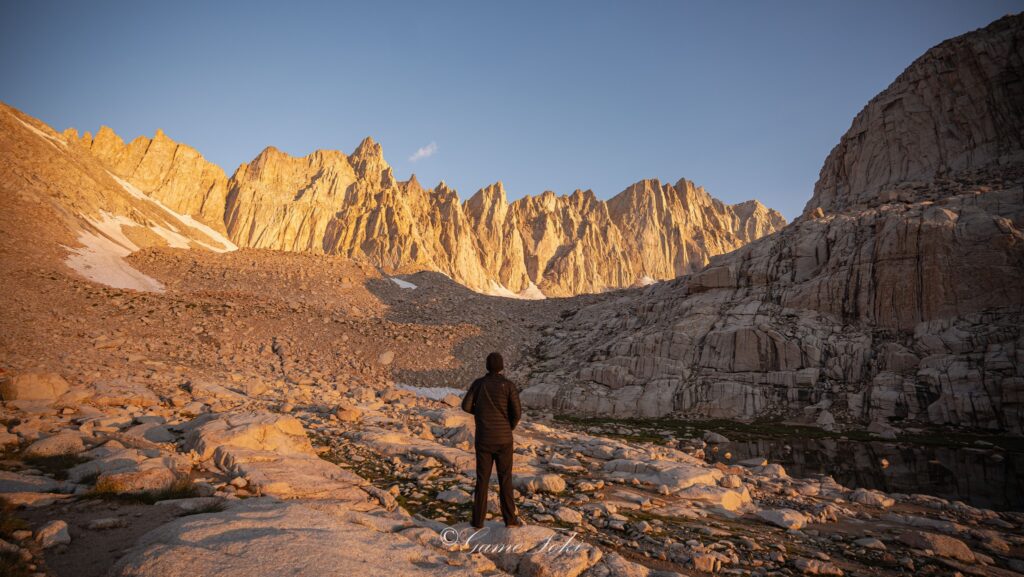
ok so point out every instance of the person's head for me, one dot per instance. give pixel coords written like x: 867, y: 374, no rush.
x: 495, y: 363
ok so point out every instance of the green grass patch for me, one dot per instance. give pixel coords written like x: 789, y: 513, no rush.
x: 382, y: 476
x: 11, y: 451
x: 649, y: 430
x: 181, y: 489
x: 56, y: 465
x: 89, y: 479
x: 11, y: 565
x: 8, y: 522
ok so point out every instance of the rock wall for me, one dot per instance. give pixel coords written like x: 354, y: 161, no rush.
x: 332, y: 203
x: 67, y: 206
x: 889, y: 299
x: 563, y: 245
x: 954, y: 115
x: 172, y: 173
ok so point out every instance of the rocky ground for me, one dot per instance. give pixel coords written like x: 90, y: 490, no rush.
x: 252, y: 419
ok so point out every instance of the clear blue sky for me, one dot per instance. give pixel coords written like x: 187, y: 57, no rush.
x: 745, y: 98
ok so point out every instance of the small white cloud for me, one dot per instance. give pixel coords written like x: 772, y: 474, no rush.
x: 424, y: 152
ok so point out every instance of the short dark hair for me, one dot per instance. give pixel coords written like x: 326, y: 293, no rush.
x: 495, y: 364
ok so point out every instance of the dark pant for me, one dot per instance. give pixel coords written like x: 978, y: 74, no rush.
x: 502, y: 457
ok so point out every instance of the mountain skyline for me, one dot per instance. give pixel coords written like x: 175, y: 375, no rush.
x: 628, y: 96
x: 330, y: 202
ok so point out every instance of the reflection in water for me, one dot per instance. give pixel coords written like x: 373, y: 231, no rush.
x: 970, y: 475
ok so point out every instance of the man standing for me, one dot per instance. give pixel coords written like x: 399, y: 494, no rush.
x: 494, y: 402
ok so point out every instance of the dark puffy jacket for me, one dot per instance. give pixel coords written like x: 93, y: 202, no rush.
x: 494, y: 402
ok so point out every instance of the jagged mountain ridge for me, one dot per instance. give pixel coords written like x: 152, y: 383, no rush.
x: 80, y: 213
x: 896, y: 296
x: 172, y: 173
x: 352, y: 205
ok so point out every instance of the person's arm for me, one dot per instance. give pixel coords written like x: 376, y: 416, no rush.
x: 470, y: 398
x: 515, y: 411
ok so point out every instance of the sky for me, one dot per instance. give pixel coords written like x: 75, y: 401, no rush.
x: 743, y: 98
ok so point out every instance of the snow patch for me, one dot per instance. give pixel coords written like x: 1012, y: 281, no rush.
x: 173, y: 237
x: 101, y: 258
x: 498, y: 290
x: 402, y: 283
x: 435, y: 393
x: 227, y: 245
x: 531, y: 292
x: 49, y: 138
x: 110, y: 226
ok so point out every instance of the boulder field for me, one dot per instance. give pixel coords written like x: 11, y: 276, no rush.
x: 269, y: 485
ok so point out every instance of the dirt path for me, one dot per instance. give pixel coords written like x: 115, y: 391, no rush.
x: 93, y: 551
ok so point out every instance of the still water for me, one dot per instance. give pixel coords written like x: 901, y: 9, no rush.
x: 982, y: 478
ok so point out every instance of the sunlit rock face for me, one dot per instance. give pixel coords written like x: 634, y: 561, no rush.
x: 548, y: 244
x: 895, y: 296
x: 352, y: 205
x: 81, y: 211
x: 171, y: 173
